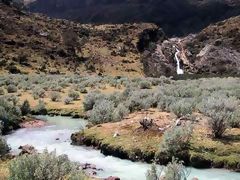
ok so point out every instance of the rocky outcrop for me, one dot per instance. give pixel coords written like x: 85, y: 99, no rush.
x: 213, y: 51
x: 27, y: 149
x: 32, y: 124
x: 112, y: 178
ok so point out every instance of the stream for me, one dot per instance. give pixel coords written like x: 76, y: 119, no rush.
x: 62, y: 128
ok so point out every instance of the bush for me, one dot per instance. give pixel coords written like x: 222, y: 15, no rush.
x: 220, y: 109
x: 102, y: 112
x: 234, y: 122
x: 11, y: 88
x: 55, y: 96
x: 2, y: 91
x: 9, y: 114
x: 182, y: 107
x: 175, y: 170
x: 120, y: 112
x: 73, y: 94
x: 68, y: 100
x: 139, y: 100
x: 40, y: 109
x: 91, y: 99
x: 176, y: 140
x: 38, y: 93
x: 152, y: 173
x: 4, y: 148
x: 45, y: 166
x: 83, y: 90
x: 145, y: 84
x: 25, y: 108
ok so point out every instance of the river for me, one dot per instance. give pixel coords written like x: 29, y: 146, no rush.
x: 62, y: 128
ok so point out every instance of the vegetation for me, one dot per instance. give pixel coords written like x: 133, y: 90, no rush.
x: 40, y: 108
x: 4, y: 149
x: 46, y: 166
x: 55, y: 96
x: 221, y: 110
x: 25, y: 108
x: 176, y: 141
x: 9, y: 114
x: 102, y: 112
x: 175, y: 170
x: 73, y: 94
x: 11, y: 88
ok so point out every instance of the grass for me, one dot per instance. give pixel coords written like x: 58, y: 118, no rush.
x: 4, y: 169
x: 132, y: 139
x: 219, y: 153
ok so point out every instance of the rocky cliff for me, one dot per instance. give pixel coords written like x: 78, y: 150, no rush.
x: 215, y: 50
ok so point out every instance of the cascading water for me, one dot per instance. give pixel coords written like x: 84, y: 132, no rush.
x: 179, y: 70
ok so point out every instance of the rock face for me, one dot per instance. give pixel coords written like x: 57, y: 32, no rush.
x: 27, y: 149
x: 178, y: 17
x: 213, y: 51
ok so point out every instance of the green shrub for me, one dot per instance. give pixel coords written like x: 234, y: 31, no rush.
x: 141, y: 99
x: 152, y: 173
x: 25, y: 108
x: 68, y: 100
x: 83, y: 90
x: 176, y: 140
x: 183, y: 107
x: 120, y: 112
x: 175, y: 170
x: 47, y: 166
x: 38, y: 93
x: 234, y: 121
x: 102, y: 112
x: 40, y: 109
x: 144, y: 84
x: 91, y: 99
x: 220, y: 109
x: 11, y: 88
x: 55, y: 96
x: 2, y: 91
x: 9, y: 114
x: 73, y: 94
x: 4, y: 148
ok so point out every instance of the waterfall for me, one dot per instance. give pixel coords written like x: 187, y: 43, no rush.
x: 179, y: 70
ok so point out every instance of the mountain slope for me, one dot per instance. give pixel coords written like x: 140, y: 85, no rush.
x: 176, y: 17
x: 215, y: 50
x: 34, y: 43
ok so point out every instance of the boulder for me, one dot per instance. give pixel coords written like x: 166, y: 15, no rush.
x: 112, y: 178
x: 27, y: 149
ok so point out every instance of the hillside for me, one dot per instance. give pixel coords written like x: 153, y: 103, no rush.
x: 178, y: 17
x: 35, y: 43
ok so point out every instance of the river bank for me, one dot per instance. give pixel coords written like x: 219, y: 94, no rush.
x: 62, y: 128
x: 135, y: 144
